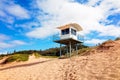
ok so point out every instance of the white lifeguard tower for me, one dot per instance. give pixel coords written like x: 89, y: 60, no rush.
x: 69, y: 37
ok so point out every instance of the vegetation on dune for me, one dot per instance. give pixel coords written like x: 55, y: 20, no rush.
x: 48, y: 53
x: 17, y: 57
x: 49, y: 56
x: 1, y: 57
x: 81, y: 51
x: 4, y: 55
x: 118, y: 38
x: 37, y: 55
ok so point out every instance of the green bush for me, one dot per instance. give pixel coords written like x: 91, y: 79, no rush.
x: 81, y: 51
x: 118, y: 38
x: 17, y: 57
x: 49, y: 56
x: 37, y: 55
x: 1, y: 57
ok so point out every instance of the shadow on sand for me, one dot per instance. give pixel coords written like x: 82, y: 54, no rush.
x: 24, y: 65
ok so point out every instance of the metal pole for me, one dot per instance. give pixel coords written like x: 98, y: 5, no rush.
x: 60, y: 49
x: 70, y: 47
x: 67, y: 50
x: 76, y: 49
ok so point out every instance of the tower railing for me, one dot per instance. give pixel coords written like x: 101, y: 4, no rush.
x: 56, y: 37
x: 80, y: 38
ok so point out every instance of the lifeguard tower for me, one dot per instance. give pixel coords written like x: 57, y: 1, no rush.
x: 69, y: 37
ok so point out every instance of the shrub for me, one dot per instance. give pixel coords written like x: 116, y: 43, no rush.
x: 49, y: 56
x: 37, y: 55
x: 118, y: 38
x: 83, y: 50
x: 1, y: 57
x: 17, y: 57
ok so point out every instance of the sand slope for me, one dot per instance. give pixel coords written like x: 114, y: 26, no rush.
x: 101, y: 64
x: 34, y: 69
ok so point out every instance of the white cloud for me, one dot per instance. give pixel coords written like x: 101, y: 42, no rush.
x: 2, y: 13
x: 60, y: 14
x: 4, y: 52
x: 93, y: 2
x: 56, y: 13
x: 18, y: 42
x: 5, y: 45
x: 41, y: 32
x: 4, y: 37
x: 94, y: 41
x: 11, y: 44
x: 18, y: 11
x: 28, y: 26
x: 9, y: 11
x: 110, y: 30
x: 6, y: 42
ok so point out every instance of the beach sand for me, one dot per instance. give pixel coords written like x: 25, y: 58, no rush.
x: 101, y: 64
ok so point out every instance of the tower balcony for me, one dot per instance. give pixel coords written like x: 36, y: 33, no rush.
x: 64, y: 39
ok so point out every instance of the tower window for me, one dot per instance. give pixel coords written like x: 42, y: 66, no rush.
x: 73, y: 31
x: 65, y: 31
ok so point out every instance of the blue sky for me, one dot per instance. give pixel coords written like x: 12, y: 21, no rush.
x: 30, y: 24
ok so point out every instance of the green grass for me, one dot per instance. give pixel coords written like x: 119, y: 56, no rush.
x: 49, y: 56
x: 25, y: 56
x: 1, y: 57
x: 37, y: 55
x: 22, y: 57
x: 118, y: 38
x: 17, y: 57
x: 83, y: 50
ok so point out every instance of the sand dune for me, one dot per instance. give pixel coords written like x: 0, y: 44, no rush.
x: 102, y: 64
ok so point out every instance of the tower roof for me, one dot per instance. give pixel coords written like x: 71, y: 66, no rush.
x: 75, y: 25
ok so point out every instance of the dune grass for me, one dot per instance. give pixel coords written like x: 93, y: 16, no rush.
x: 24, y: 55
x: 1, y: 57
x: 83, y: 50
x: 17, y: 57
x: 37, y: 55
x: 118, y: 38
x: 49, y: 56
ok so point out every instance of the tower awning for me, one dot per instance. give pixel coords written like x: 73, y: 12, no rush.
x: 75, y: 25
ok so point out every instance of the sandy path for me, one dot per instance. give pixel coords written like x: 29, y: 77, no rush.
x: 40, y: 69
x: 102, y: 65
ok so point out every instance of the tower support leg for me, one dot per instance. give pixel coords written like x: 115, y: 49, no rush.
x: 67, y: 50
x: 76, y: 49
x: 60, y: 50
x: 70, y: 47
